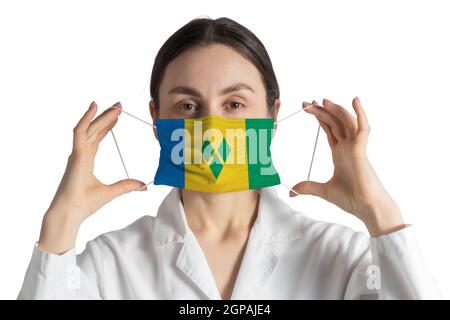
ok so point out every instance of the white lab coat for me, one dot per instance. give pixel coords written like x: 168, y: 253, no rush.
x: 288, y: 256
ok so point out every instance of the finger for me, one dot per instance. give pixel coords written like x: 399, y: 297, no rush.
x: 331, y: 138
x: 363, y: 123
x: 104, y: 120
x: 332, y: 141
x: 309, y: 187
x: 101, y: 134
x: 79, y: 131
x: 85, y: 120
x: 327, y: 117
x: 349, y: 122
x: 121, y: 187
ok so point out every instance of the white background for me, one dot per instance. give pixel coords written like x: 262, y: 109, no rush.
x: 56, y: 57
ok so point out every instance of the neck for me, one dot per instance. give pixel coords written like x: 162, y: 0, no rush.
x: 220, y: 213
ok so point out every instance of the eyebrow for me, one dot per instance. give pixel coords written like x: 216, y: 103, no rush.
x: 194, y: 92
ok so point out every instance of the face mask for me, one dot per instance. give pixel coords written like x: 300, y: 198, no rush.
x: 216, y: 154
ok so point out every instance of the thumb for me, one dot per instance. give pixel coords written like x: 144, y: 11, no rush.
x: 124, y: 186
x: 309, y: 187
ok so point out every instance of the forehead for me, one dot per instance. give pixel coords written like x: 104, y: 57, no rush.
x: 210, y: 67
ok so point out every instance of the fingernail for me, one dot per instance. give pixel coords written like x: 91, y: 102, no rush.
x: 93, y: 104
x: 306, y: 104
x: 357, y: 99
x: 143, y: 188
x: 116, y: 105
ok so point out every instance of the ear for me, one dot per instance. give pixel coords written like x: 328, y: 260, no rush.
x: 154, y: 114
x: 275, y: 110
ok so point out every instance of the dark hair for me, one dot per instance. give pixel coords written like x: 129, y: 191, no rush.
x: 205, y: 31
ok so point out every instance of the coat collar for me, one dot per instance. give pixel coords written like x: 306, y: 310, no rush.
x: 276, y: 222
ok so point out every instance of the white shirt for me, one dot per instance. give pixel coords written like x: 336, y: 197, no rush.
x: 288, y: 256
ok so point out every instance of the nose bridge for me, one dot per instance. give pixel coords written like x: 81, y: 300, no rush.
x: 212, y: 105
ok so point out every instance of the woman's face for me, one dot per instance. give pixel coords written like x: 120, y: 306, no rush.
x: 212, y: 80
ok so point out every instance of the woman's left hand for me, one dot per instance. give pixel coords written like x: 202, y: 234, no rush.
x: 354, y: 187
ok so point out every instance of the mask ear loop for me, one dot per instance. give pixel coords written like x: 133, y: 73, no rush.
x: 137, y: 117
x: 120, y: 154
x: 118, y: 149
x: 314, y: 150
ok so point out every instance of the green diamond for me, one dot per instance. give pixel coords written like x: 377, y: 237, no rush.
x: 224, y: 149
x: 216, y: 168
x: 216, y: 164
x: 209, y: 152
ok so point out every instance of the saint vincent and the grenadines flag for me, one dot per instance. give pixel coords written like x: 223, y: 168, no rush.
x: 215, y: 154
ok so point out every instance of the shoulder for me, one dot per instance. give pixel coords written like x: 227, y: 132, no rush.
x: 328, y: 231
x: 137, y: 234
x: 328, y: 244
x: 282, y: 222
x: 331, y: 237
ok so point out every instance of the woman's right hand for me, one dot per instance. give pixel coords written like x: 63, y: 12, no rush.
x: 80, y: 193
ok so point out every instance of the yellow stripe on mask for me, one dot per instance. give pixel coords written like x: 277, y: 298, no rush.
x: 223, y: 166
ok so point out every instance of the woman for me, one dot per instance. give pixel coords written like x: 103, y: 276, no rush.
x: 227, y: 245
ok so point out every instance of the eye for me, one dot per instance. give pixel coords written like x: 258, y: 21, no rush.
x: 188, y: 107
x: 236, y: 105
